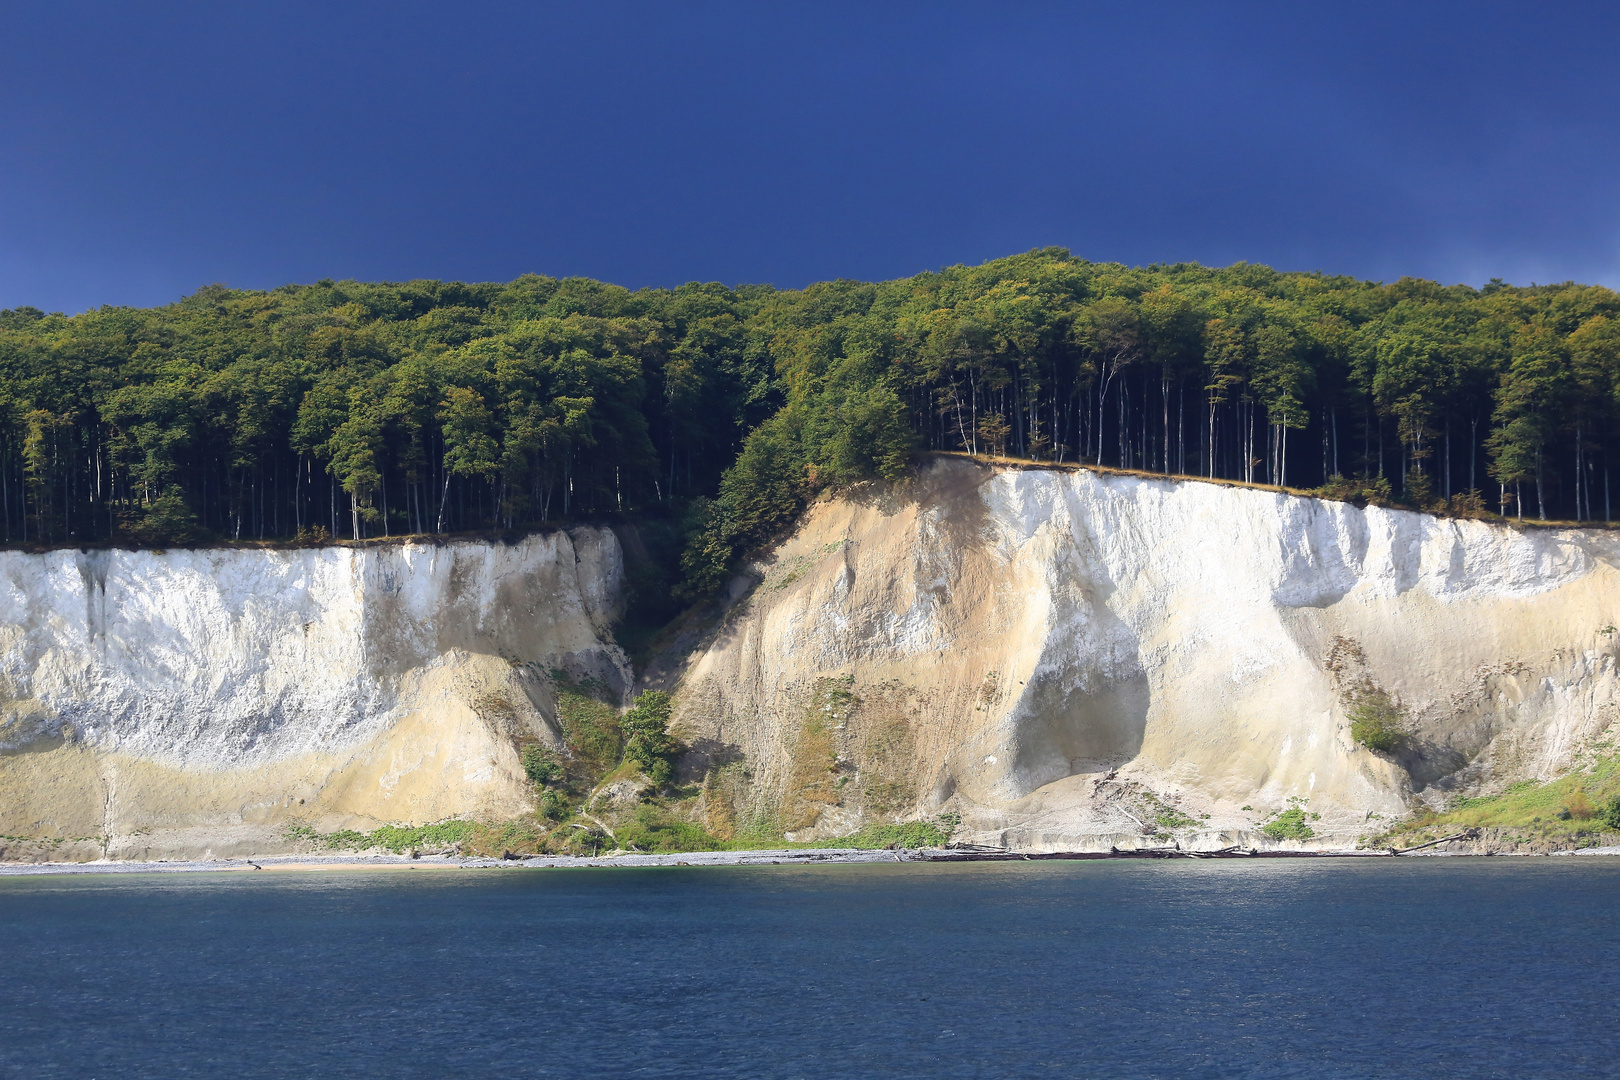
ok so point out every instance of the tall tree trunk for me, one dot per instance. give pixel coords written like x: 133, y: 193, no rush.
x: 1541, y: 502
x: 1473, y: 451
x: 1446, y: 489
x: 1181, y: 427
x: 1577, y: 471
x: 1164, y: 402
x: 1211, y: 462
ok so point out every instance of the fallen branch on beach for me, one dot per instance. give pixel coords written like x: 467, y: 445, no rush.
x: 1466, y: 834
x: 1134, y: 818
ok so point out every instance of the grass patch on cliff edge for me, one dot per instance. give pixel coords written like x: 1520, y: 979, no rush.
x: 1572, y: 810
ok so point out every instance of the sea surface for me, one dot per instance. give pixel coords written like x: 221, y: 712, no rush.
x: 1440, y: 967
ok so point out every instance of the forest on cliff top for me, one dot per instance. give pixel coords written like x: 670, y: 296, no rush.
x: 357, y: 410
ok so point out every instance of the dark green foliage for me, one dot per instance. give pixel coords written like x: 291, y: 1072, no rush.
x: 652, y: 548
x: 653, y: 828
x: 539, y: 765
x: 708, y: 550
x: 1611, y: 813
x: 166, y: 520
x: 372, y: 409
x: 646, y: 735
x: 378, y: 409
x: 552, y: 804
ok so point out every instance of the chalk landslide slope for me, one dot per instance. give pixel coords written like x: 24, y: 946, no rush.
x: 1065, y: 658
x: 171, y: 704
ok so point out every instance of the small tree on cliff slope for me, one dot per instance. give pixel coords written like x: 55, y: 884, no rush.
x: 1376, y: 721
x: 646, y: 730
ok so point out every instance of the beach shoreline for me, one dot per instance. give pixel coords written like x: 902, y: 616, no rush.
x: 766, y: 857
x: 318, y: 863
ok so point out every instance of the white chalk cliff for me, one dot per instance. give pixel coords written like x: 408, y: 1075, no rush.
x: 156, y: 703
x: 1052, y: 653
x: 1023, y: 635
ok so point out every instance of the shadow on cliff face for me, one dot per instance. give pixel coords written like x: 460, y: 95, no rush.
x: 1087, y: 704
x: 1429, y: 763
x: 945, y: 490
x: 1062, y: 729
x: 484, y: 600
x: 702, y: 755
x: 652, y: 550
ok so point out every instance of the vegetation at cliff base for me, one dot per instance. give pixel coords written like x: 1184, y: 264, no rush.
x: 348, y: 409
x: 1574, y: 810
x: 1292, y: 823
x: 927, y: 833
x: 647, y: 743
x: 436, y: 837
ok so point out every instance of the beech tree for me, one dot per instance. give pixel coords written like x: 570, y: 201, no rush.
x: 418, y: 407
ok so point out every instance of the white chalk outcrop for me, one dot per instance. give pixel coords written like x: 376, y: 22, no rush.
x: 1061, y: 656
x: 170, y: 703
x: 1003, y: 642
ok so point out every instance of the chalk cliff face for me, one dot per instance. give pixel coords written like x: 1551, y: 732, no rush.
x: 1058, y: 655
x: 156, y: 703
x: 1067, y: 659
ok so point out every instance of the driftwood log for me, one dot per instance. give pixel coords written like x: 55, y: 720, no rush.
x: 1466, y: 834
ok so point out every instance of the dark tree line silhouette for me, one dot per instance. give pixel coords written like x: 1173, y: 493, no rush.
x: 362, y: 410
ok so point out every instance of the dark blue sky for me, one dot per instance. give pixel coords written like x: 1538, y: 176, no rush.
x: 146, y: 150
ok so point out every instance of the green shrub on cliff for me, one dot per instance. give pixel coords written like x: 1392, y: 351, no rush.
x: 165, y: 520
x: 539, y: 765
x: 1376, y: 722
x: 551, y: 804
x: 655, y: 829
x: 395, y: 838
x: 590, y: 727
x: 1611, y: 813
x: 1291, y: 824
x: 646, y: 730
x: 1171, y: 819
x: 906, y: 834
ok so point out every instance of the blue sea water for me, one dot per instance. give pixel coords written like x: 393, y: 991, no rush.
x: 1312, y: 968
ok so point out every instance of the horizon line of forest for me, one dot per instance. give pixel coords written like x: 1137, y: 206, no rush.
x: 376, y: 409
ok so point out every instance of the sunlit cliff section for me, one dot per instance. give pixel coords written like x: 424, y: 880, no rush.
x: 1064, y: 659
x: 1073, y: 660
x: 160, y: 703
